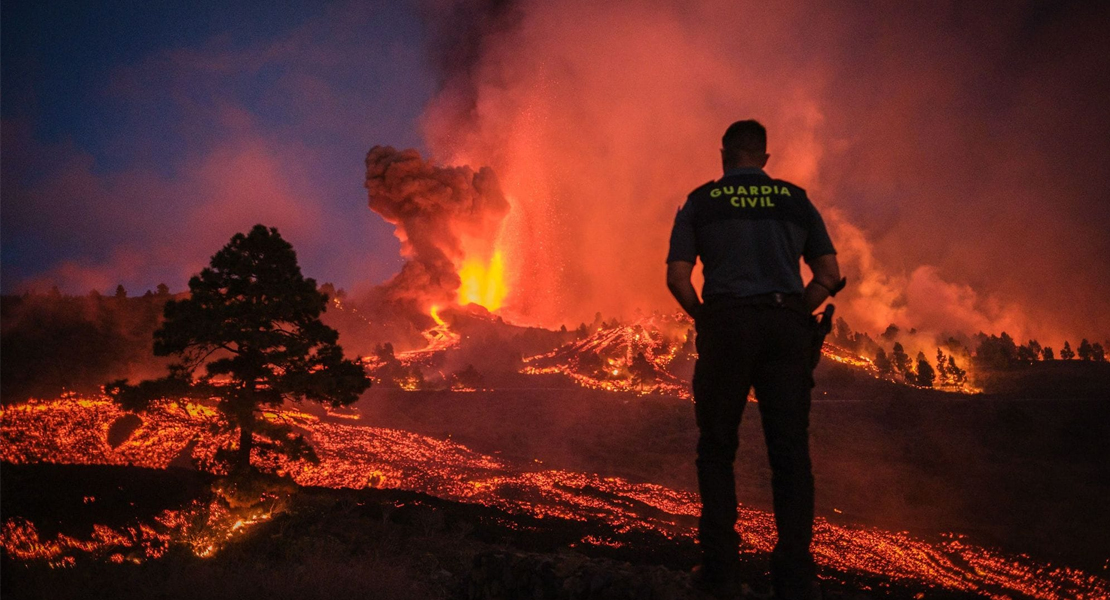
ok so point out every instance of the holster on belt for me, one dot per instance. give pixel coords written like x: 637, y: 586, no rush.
x: 822, y: 325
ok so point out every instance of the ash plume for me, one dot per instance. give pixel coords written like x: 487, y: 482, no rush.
x: 956, y: 151
x: 442, y: 215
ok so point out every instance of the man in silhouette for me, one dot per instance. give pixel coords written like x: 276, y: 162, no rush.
x: 753, y: 330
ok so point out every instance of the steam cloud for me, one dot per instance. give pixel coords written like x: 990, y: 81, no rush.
x: 442, y: 215
x: 958, y: 168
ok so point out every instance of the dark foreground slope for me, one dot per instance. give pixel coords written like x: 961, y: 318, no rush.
x: 1023, y: 471
x: 326, y: 543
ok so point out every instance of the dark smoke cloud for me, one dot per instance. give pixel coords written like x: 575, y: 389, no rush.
x: 442, y: 215
x: 956, y: 149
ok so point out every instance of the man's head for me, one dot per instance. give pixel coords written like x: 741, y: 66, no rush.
x: 744, y: 145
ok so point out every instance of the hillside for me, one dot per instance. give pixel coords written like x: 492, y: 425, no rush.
x: 326, y: 543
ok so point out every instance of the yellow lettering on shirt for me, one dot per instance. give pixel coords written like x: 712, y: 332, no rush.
x: 753, y: 196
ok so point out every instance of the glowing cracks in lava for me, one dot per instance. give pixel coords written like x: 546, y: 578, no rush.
x: 399, y: 459
x: 483, y: 283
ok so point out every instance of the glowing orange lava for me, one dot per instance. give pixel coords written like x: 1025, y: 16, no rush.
x: 483, y: 282
x: 434, y: 312
x: 74, y: 430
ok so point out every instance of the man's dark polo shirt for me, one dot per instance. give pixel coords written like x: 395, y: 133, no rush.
x: 749, y: 231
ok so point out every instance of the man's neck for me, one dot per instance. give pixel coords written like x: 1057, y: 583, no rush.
x: 743, y: 169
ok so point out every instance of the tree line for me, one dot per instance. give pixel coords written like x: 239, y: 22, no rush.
x: 949, y: 369
x: 53, y: 343
x: 1002, y: 352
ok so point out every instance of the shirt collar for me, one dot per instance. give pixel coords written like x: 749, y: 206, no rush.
x: 744, y: 171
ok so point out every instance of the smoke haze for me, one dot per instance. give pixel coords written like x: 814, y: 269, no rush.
x: 956, y: 151
x: 442, y: 215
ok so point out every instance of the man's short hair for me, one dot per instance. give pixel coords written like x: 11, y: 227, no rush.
x: 745, y: 137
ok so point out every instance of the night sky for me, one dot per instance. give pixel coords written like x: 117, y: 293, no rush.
x: 958, y: 150
x: 139, y: 136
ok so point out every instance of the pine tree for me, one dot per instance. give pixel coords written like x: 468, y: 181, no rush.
x: 925, y: 373
x: 1085, y: 350
x: 958, y: 375
x: 900, y: 360
x: 942, y: 368
x: 252, y: 321
x: 882, y: 363
x: 842, y: 334
x: 1067, y: 353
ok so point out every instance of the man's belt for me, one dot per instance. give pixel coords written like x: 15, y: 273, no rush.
x: 794, y: 302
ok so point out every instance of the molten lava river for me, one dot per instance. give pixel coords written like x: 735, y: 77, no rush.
x: 74, y: 431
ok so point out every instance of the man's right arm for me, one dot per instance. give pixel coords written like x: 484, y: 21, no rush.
x: 682, y: 288
x: 681, y: 257
x: 826, y: 276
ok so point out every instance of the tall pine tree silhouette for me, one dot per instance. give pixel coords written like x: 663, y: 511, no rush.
x: 250, y: 335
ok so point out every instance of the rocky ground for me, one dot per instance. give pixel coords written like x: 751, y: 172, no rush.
x: 324, y: 543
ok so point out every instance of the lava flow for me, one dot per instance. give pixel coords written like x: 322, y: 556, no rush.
x: 74, y: 431
x: 655, y: 355
x: 637, y: 357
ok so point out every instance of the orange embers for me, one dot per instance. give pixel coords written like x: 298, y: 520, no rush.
x: 642, y: 356
x: 203, y: 528
x: 356, y: 456
x: 636, y: 357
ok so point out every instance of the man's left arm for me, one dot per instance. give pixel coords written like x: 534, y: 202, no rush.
x: 820, y: 255
x: 826, y: 279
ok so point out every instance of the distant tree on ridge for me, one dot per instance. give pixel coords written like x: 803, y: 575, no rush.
x: 900, y: 360
x: 882, y: 363
x: 1085, y: 350
x: 925, y: 373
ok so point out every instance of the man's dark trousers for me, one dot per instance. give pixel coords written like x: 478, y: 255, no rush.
x: 764, y: 346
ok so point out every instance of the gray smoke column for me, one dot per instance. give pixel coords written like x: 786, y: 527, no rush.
x: 442, y: 215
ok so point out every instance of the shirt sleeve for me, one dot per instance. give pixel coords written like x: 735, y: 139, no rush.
x: 818, y: 242
x: 683, y: 245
